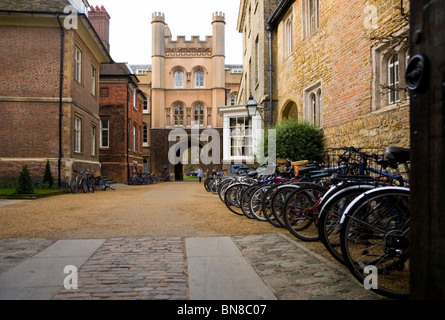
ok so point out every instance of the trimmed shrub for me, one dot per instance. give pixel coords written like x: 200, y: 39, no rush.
x: 297, y: 140
x: 48, y: 178
x: 24, y: 182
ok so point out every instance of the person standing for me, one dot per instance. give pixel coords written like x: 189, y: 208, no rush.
x: 200, y: 172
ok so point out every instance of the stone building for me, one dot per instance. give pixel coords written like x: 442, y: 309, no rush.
x: 252, y: 18
x: 339, y: 65
x: 50, y: 57
x: 188, y: 83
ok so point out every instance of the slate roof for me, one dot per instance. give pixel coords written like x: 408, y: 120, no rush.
x: 33, y: 5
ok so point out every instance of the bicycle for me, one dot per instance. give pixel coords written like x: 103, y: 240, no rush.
x: 101, y: 183
x: 375, y: 235
x: 78, y: 182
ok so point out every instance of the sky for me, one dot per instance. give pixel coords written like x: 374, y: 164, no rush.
x: 130, y: 25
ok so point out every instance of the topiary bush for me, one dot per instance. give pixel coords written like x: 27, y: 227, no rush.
x: 48, y: 178
x: 297, y: 140
x: 24, y: 182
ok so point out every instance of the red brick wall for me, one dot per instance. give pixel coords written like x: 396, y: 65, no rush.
x: 114, y: 108
x: 29, y: 59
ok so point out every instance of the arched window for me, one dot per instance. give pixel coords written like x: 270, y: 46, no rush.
x: 393, y: 78
x: 232, y: 100
x: 179, y: 78
x: 199, y: 115
x: 199, y: 78
x: 179, y: 115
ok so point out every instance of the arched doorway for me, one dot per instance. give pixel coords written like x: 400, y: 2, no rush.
x: 290, y: 110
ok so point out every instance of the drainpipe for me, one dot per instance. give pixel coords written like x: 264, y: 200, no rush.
x: 128, y: 134
x: 269, y: 36
x: 59, y: 162
x: 151, y: 144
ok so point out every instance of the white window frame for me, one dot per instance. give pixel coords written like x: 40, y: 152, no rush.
x: 93, y: 139
x: 145, y: 135
x: 77, y: 134
x: 102, y: 131
x: 78, y: 64
x: 178, y: 116
x: 93, y: 80
x: 241, y: 137
x: 393, y: 79
x: 134, y: 138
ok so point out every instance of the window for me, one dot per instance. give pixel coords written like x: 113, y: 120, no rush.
x: 93, y: 80
x: 199, y: 78
x: 287, y: 37
x: 93, y: 140
x: 232, y: 100
x: 78, y: 65
x: 145, y: 135
x: 179, y: 115
x: 389, y: 60
x: 311, y: 17
x: 393, y: 79
x: 145, y: 106
x: 199, y: 115
x: 77, y: 134
x: 104, y: 133
x: 312, y: 109
x: 179, y: 79
x: 241, y: 141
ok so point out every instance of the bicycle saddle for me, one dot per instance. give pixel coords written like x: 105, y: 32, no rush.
x: 397, y: 154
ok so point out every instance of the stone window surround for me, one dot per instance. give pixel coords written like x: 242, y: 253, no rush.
x: 381, y: 54
x: 308, y: 112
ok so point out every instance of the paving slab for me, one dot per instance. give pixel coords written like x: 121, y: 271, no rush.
x: 42, y: 275
x: 218, y: 270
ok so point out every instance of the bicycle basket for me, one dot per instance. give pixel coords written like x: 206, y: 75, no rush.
x: 299, y: 164
x: 96, y: 174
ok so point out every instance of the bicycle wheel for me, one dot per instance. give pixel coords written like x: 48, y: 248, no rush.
x: 279, y: 201
x: 232, y: 197
x: 84, y: 185
x: 255, y: 205
x: 246, y: 195
x: 266, y: 206
x: 375, y: 237
x: 300, y: 212
x: 330, y: 215
x: 73, y: 185
x: 222, y: 187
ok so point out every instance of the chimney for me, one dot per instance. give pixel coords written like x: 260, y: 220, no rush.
x: 100, y: 20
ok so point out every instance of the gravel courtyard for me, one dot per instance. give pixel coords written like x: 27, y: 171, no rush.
x: 181, y: 209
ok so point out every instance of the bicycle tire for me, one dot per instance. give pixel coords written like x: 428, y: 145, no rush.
x: 266, y: 206
x: 222, y: 187
x: 255, y: 204
x: 301, y: 212
x: 246, y: 195
x: 330, y: 214
x: 375, y: 233
x: 279, y: 200
x: 232, y: 197
x: 73, y: 185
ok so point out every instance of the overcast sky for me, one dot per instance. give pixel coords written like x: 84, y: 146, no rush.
x: 130, y: 25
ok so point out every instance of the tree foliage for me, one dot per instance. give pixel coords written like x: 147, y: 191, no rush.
x: 297, y: 140
x: 24, y: 182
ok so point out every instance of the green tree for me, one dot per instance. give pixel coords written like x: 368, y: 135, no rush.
x: 24, y: 182
x: 297, y: 140
x: 48, y: 178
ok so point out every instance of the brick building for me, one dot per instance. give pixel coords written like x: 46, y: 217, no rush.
x: 49, y: 84
x: 340, y: 65
x: 121, y: 126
